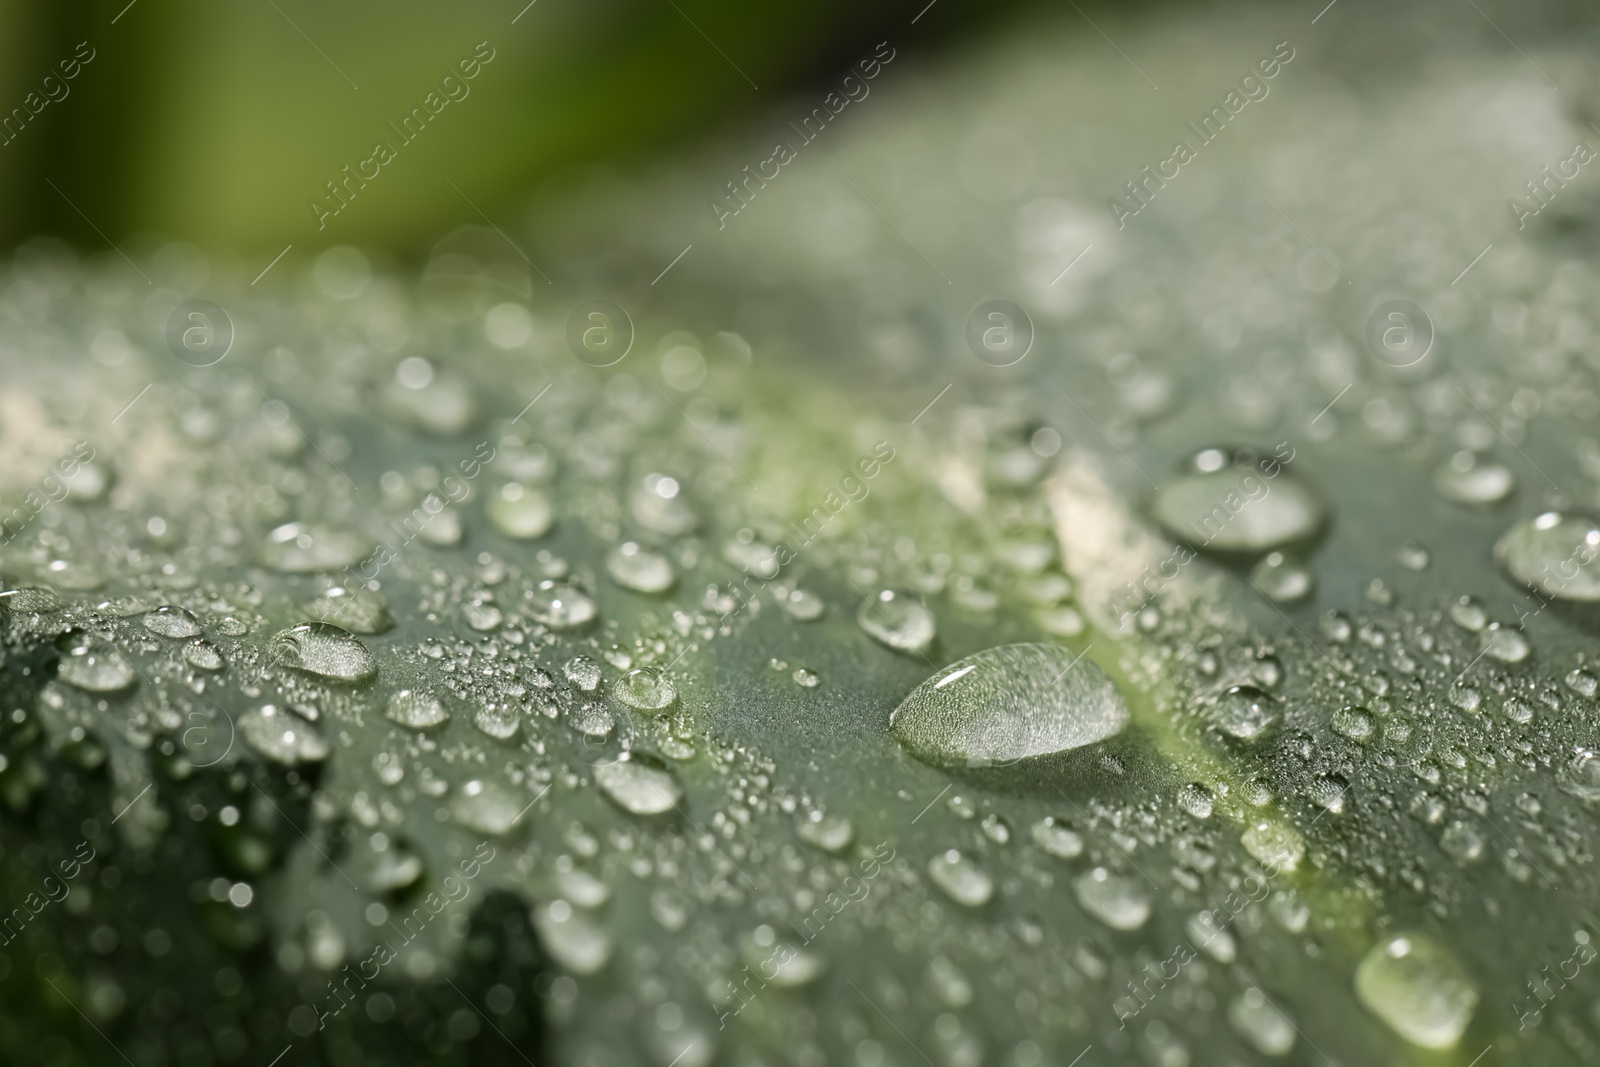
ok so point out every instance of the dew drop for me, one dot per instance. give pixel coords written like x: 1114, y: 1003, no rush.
x: 171, y: 621
x: 1418, y: 989
x: 961, y: 879
x: 1551, y: 553
x: 305, y: 548
x: 1114, y: 899
x: 639, y: 569
x: 646, y: 689
x: 521, y: 512
x: 898, y: 620
x: 324, y: 650
x: 94, y: 665
x: 487, y: 807
x: 1007, y: 704
x: 561, y: 606
x: 639, y: 784
x: 416, y: 709
x: 1055, y: 838
x: 1467, y: 478
x: 1227, y: 502
x: 281, y: 735
x: 358, y: 610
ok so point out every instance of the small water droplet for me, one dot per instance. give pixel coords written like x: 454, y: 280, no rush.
x: 898, y: 620
x: 305, y: 548
x: 520, y: 512
x: 962, y: 880
x: 416, y: 709
x: 282, y: 736
x: 639, y: 784
x: 646, y: 689
x: 1114, y: 899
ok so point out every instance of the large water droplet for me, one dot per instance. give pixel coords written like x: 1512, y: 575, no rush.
x: 281, y: 735
x: 1419, y: 989
x: 1274, y: 843
x: 1055, y: 838
x: 1238, y: 502
x: 898, y: 620
x: 1551, y: 553
x: 304, y: 548
x: 324, y: 650
x: 1007, y: 704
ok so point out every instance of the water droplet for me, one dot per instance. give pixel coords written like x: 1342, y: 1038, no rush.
x: 1581, y: 776
x: 1419, y: 989
x: 520, y: 512
x: 1583, y: 682
x: 1258, y: 1021
x: 1007, y: 704
x: 281, y: 735
x: 561, y: 606
x: 802, y: 605
x: 203, y: 655
x: 358, y: 610
x: 898, y: 620
x: 499, y: 721
x: 639, y: 569
x: 645, y: 688
x: 1246, y: 713
x: 170, y: 621
x: 829, y: 833
x: 1275, y: 843
x: 304, y: 548
x: 1114, y: 899
x: 1231, y: 503
x: 320, y: 649
x: 1211, y: 937
x: 1462, y: 842
x: 1504, y: 644
x: 1060, y: 622
x: 574, y: 940
x: 1055, y: 838
x: 436, y: 401
x: 1282, y: 579
x: 1467, y: 478
x: 783, y: 965
x: 583, y: 672
x: 487, y: 807
x: 1551, y: 554
x: 638, y: 784
x: 806, y: 677
x: 1469, y: 613
x: 1196, y: 800
x: 93, y: 664
x: 658, y: 504
x: 1356, y: 723
x: 962, y: 880
x: 416, y: 709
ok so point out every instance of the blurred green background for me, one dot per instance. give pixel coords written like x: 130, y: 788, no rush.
x: 219, y: 123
